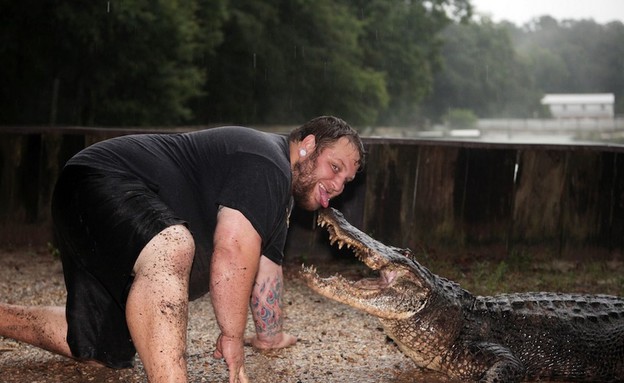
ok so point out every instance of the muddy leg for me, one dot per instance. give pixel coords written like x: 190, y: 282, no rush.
x: 157, y: 306
x: 41, y: 326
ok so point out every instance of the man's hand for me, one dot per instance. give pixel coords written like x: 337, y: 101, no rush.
x: 231, y: 349
x: 279, y: 340
x: 234, y: 265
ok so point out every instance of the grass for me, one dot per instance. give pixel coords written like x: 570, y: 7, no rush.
x: 522, y: 272
x: 491, y: 270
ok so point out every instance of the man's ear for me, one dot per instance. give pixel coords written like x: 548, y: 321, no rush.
x: 309, y: 143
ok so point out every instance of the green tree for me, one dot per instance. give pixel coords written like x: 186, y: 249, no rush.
x: 460, y: 119
x: 331, y: 63
x: 231, y: 73
x: 133, y: 60
x: 481, y: 72
x: 27, y: 49
x: 401, y: 40
x: 574, y: 56
x: 285, y: 61
x: 127, y: 62
x: 614, y: 57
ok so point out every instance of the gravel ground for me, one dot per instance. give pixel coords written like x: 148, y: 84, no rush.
x: 336, y: 343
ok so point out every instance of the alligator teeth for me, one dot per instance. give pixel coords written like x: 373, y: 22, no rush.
x: 309, y: 270
x: 322, y: 223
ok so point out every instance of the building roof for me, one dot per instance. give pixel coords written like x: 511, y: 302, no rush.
x: 580, y: 98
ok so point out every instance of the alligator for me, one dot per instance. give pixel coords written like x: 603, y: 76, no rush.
x: 541, y: 336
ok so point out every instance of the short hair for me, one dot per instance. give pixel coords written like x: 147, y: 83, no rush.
x: 326, y: 131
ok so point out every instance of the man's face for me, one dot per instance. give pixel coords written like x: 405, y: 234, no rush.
x: 322, y: 176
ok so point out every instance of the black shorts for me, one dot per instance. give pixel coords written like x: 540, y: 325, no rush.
x: 102, y: 221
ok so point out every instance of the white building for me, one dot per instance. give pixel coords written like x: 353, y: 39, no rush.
x: 589, y: 105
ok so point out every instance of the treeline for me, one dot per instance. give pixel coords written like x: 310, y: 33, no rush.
x: 163, y: 62
x: 503, y: 70
x: 174, y: 62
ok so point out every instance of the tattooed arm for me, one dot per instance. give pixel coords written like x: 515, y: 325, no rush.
x: 266, y: 307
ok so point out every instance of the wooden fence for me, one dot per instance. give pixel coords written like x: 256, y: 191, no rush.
x: 565, y: 198
x: 413, y: 193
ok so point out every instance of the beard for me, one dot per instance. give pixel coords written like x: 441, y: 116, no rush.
x: 304, y: 183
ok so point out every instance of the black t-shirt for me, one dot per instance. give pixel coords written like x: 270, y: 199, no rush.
x: 194, y: 173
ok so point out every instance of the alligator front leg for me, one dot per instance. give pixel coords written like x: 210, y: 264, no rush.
x: 503, y: 371
x: 491, y: 363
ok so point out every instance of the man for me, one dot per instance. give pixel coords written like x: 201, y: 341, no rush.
x: 146, y: 222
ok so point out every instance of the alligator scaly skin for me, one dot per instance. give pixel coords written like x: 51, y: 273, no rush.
x: 508, y: 338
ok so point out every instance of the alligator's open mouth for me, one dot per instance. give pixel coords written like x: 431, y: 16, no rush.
x: 371, y: 252
x: 376, y: 296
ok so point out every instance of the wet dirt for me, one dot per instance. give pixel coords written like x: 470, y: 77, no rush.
x: 336, y: 343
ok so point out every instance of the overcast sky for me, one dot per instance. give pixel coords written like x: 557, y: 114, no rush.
x: 521, y: 11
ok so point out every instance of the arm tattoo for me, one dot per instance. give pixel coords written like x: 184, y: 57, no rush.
x: 266, y: 302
